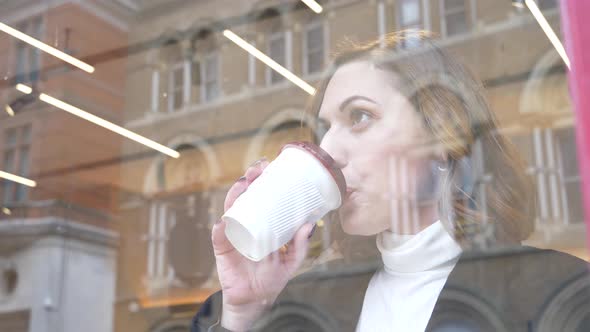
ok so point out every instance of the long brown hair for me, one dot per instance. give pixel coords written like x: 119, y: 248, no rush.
x: 452, y: 104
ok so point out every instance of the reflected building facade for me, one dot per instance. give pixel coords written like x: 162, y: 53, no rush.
x: 138, y: 223
x: 223, y: 109
x: 58, y: 245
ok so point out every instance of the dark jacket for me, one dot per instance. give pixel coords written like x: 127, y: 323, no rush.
x: 516, y: 289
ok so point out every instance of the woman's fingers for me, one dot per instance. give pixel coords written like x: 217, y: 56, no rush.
x: 242, y: 184
x: 234, y: 192
x: 221, y: 244
x: 297, y: 248
x: 256, y: 169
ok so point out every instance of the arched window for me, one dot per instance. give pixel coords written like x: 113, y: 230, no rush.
x: 179, y: 248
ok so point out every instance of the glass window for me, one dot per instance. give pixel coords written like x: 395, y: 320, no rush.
x: 314, y: 48
x: 21, y: 190
x: 210, y: 79
x: 8, y: 164
x: 16, y: 161
x: 547, y: 4
x: 277, y: 50
x: 454, y: 17
x: 176, y: 88
x: 11, y: 137
x: 570, y: 177
x: 28, y: 58
x: 26, y: 134
x: 21, y: 58
x: 460, y: 149
x: 410, y: 14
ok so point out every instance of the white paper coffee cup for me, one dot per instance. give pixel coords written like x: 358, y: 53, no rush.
x: 300, y: 186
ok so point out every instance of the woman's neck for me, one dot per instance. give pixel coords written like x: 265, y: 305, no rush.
x: 413, y: 223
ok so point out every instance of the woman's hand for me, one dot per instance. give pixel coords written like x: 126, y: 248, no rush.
x: 249, y: 288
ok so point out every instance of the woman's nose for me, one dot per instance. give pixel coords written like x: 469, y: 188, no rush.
x: 335, y: 149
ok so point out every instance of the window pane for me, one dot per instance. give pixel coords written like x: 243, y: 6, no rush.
x: 315, y: 38
x: 315, y: 62
x: 524, y: 146
x: 178, y: 99
x: 176, y: 89
x: 7, y: 191
x: 23, y: 168
x: 456, y: 24
x: 21, y: 61
x: 277, y: 53
x: 178, y: 77
x: 276, y: 77
x: 410, y: 12
x: 574, y: 202
x: 34, y: 64
x: 11, y: 137
x: 21, y: 193
x: 212, y: 69
x: 454, y: 4
x: 26, y: 134
x: 277, y: 50
x: 211, y: 73
x: 8, y: 163
x: 211, y: 90
x: 315, y: 49
x: 566, y: 140
x: 547, y: 4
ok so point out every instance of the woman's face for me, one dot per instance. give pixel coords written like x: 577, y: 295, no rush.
x: 373, y: 133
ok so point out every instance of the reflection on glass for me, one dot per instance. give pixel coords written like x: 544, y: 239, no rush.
x: 117, y: 237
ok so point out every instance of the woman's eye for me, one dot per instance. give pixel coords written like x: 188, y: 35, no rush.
x: 359, y: 117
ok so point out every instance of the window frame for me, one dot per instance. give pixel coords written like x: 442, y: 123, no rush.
x: 286, y: 35
x: 305, y: 47
x: 18, y: 193
x: 172, y: 88
x: 204, y: 79
x: 470, y: 15
x: 30, y: 73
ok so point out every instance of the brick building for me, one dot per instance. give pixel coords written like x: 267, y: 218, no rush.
x: 135, y: 224
x: 58, y: 243
x: 197, y: 92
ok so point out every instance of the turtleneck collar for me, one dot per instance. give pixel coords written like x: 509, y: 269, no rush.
x: 431, y: 249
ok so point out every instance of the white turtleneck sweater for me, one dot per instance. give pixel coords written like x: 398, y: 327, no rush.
x: 402, y: 295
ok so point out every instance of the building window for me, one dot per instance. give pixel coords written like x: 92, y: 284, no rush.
x: 210, y: 78
x: 252, y: 66
x: 314, y: 48
x: 547, y: 4
x: 453, y: 17
x: 411, y: 18
x: 17, y: 142
x: 550, y: 154
x: 176, y: 89
x: 278, y: 44
x: 28, y: 58
x: 565, y: 143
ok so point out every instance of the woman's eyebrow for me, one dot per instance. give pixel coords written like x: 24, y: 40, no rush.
x: 353, y: 98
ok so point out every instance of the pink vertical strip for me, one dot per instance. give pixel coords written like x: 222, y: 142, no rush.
x: 576, y: 30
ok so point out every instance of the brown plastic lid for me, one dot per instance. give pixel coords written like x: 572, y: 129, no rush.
x: 325, y: 159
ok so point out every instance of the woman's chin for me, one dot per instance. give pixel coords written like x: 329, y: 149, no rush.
x: 352, y: 225
x: 353, y: 222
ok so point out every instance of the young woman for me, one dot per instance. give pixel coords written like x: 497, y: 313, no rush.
x: 411, y: 132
